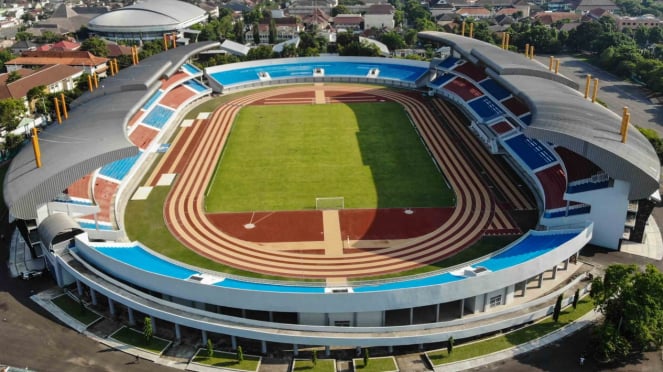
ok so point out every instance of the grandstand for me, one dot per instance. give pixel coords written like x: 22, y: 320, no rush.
x: 509, y: 287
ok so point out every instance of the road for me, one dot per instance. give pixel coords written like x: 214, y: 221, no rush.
x: 614, y: 91
x: 31, y: 338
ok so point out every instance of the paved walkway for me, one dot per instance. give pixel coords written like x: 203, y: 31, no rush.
x: 652, y: 246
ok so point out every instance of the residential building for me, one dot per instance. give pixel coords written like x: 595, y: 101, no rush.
x: 647, y: 21
x: 379, y: 16
x: 86, y: 60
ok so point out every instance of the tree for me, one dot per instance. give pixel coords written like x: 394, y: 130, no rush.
x: 12, y: 143
x: 24, y: 36
x: 339, y: 9
x: 95, y: 46
x: 259, y: 52
x: 256, y: 33
x: 393, y: 40
x: 631, y: 300
x: 35, y: 94
x: 576, y: 297
x: 13, y: 76
x: 148, y: 331
x: 210, y: 348
x: 558, y: 308
x: 240, y: 354
x: 272, y: 31
x: 12, y: 111
x: 450, y: 345
x: 367, y: 357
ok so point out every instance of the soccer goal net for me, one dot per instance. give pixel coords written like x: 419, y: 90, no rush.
x: 336, y: 202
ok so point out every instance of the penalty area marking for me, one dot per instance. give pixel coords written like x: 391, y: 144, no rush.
x: 142, y: 193
x: 166, y: 179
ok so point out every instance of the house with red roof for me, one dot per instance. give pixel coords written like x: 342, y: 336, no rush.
x: 84, y: 59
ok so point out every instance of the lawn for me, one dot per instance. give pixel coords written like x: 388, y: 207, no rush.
x: 136, y: 338
x: 306, y: 365
x: 385, y: 364
x: 75, y: 309
x: 526, y: 334
x: 227, y: 360
x: 283, y: 157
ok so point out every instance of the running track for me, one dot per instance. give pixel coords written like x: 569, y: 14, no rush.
x: 185, y: 216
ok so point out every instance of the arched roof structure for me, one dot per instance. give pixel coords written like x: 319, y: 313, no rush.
x: 94, y: 134
x: 561, y: 116
x: 149, y: 16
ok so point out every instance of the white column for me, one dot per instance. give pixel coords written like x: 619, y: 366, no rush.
x: 462, y: 307
x: 233, y: 342
x: 411, y: 315
x: 437, y: 312
x: 295, y: 350
x: 93, y: 295
x: 130, y: 314
x: 111, y: 307
x: 178, y: 333
x: 263, y: 347
x: 204, y: 334
x: 154, y: 324
x: 327, y: 350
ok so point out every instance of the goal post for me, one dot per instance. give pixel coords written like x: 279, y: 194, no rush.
x: 334, y: 202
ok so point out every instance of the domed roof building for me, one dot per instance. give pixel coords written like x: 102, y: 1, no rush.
x: 147, y: 20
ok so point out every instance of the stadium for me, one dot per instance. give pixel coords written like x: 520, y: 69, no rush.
x: 147, y: 20
x: 525, y: 156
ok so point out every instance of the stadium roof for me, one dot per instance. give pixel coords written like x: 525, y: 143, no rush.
x: 93, y: 136
x: 561, y: 116
x: 149, y: 15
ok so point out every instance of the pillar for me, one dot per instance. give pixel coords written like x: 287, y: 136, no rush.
x: 204, y: 337
x: 462, y: 307
x: 411, y: 315
x: 327, y: 351
x: 243, y: 313
x: 233, y: 342
x: 36, y: 148
x: 390, y: 349
x: 154, y: 324
x: 557, y: 66
x: 596, y: 90
x: 588, y: 80
x: 540, y: 280
x: 263, y: 347
x: 79, y: 287
x: 551, y: 63
x: 462, y: 29
x: 93, y: 295
x: 271, y: 316
x: 178, y: 333
x: 531, y: 52
x: 524, y: 287
x: 527, y: 50
x: 295, y: 350
x: 485, y: 302
x: 554, y: 272
x: 111, y: 307
x: 437, y: 312
x: 130, y: 315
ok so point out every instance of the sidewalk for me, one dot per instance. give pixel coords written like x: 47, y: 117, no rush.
x: 557, y: 335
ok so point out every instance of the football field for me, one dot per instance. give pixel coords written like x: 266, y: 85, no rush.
x: 283, y: 157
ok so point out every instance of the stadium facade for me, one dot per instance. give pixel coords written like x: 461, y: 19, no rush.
x: 147, y: 20
x: 520, y: 110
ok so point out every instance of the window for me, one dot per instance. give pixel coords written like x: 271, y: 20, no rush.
x: 496, y: 301
x: 341, y: 323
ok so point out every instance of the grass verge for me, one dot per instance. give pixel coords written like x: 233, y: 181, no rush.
x: 386, y: 364
x: 135, y: 338
x: 227, y: 360
x: 323, y: 365
x: 75, y: 309
x: 526, y: 334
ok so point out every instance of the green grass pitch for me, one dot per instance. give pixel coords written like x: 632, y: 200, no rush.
x: 283, y: 157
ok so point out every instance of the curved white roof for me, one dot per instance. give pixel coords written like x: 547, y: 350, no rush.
x: 149, y: 15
